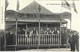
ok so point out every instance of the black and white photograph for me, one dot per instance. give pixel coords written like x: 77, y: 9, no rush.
x: 39, y: 25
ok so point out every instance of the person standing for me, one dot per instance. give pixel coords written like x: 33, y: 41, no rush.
x: 41, y: 32
x: 27, y: 33
x: 34, y: 31
x: 77, y: 41
x: 55, y: 31
x: 70, y: 41
x: 73, y: 42
x: 48, y: 31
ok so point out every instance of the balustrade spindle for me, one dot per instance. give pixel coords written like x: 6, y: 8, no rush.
x: 50, y: 39
x: 17, y: 40
x: 20, y: 40
x: 44, y: 39
x: 55, y: 39
x: 58, y: 38
x: 24, y: 39
x: 47, y: 39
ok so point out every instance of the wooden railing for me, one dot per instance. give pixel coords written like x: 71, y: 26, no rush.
x: 42, y: 39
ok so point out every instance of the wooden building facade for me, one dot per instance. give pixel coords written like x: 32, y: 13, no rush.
x: 36, y: 28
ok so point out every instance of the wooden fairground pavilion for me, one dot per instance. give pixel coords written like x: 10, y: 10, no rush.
x: 34, y: 16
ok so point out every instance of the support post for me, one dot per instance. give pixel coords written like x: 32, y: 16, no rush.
x: 66, y: 26
x: 4, y: 30
x: 70, y: 24
x: 16, y: 32
x: 26, y: 35
x: 60, y: 27
x: 39, y: 24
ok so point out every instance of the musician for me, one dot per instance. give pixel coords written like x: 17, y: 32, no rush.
x: 34, y: 31
x: 48, y: 31
x: 27, y: 33
x: 55, y: 31
x: 41, y: 32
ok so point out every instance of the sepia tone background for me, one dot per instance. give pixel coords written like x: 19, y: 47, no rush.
x: 49, y: 4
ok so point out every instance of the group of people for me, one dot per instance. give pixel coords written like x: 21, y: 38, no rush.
x: 74, y: 41
x: 48, y: 31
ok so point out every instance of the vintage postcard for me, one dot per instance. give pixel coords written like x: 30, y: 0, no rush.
x: 39, y: 25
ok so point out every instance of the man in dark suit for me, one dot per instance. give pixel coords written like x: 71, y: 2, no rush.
x: 70, y: 41
x: 77, y: 41
x: 73, y: 42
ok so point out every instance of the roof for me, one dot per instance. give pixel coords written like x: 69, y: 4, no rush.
x: 34, y: 8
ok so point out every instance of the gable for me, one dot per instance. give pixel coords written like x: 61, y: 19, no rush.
x: 34, y: 8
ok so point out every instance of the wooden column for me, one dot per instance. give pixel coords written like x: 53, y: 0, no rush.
x: 5, y: 30
x: 39, y: 23
x: 67, y: 34
x: 26, y: 29
x: 16, y: 31
x: 26, y: 35
x: 39, y: 31
x: 66, y: 26
x: 60, y: 27
x: 70, y: 24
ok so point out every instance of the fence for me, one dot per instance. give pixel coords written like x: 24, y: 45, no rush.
x: 35, y: 40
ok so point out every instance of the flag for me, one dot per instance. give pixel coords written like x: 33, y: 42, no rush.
x: 17, y: 5
x: 65, y: 4
x: 6, y: 4
x: 74, y: 7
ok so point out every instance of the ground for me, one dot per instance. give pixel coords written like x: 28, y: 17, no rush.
x: 48, y: 50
